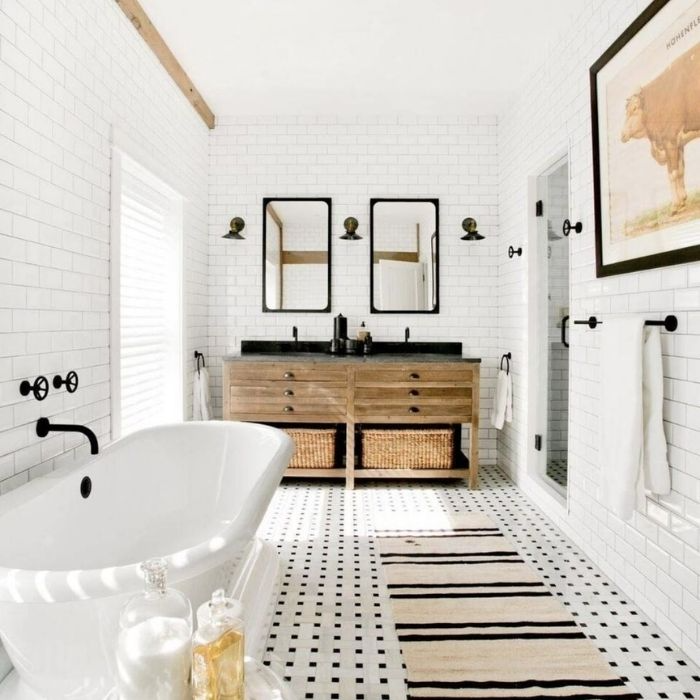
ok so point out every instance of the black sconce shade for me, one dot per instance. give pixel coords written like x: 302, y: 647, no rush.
x: 469, y: 225
x: 236, y: 226
x: 350, y: 225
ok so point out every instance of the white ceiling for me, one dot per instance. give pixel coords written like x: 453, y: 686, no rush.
x: 359, y: 56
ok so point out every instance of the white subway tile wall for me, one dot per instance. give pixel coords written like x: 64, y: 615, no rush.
x: 70, y: 71
x: 352, y: 159
x: 655, y: 556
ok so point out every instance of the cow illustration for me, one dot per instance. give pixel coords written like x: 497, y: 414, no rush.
x: 667, y: 112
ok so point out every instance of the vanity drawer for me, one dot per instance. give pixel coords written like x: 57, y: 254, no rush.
x: 414, y: 374
x: 454, y: 411
x: 289, y: 390
x: 414, y: 392
x: 268, y: 371
x: 287, y: 407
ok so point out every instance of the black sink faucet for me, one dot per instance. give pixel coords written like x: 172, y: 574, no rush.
x: 407, y: 334
x: 295, y: 334
x: 44, y: 427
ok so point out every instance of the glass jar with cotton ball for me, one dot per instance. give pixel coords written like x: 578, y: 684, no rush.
x: 154, y: 645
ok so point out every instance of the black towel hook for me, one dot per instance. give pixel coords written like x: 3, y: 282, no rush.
x: 507, y: 357
x: 197, y: 356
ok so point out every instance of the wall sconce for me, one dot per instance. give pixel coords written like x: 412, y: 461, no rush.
x: 350, y: 225
x: 469, y: 225
x: 236, y: 226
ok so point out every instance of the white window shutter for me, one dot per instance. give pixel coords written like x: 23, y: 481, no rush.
x: 150, y: 308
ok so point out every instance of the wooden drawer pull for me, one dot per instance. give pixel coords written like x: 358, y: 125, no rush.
x: 289, y: 375
x: 288, y: 392
x: 413, y: 392
x: 414, y: 409
x: 414, y: 375
x: 288, y: 409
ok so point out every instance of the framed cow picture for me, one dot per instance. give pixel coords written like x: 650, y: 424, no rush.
x: 645, y: 103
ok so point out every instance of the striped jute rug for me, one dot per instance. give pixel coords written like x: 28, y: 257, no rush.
x: 474, y: 621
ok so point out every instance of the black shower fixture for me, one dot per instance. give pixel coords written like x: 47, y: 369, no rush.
x: 568, y: 227
x: 39, y: 388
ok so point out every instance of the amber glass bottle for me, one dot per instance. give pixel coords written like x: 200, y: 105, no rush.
x: 218, y: 654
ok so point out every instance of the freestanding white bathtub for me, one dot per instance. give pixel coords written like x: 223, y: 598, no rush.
x: 194, y: 493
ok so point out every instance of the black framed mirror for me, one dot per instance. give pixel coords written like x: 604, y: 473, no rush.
x: 404, y: 256
x: 297, y: 254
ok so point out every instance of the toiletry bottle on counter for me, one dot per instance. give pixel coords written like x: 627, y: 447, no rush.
x: 362, y: 332
x: 154, y: 645
x: 218, y: 650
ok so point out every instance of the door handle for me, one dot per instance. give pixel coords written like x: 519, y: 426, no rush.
x: 564, y: 321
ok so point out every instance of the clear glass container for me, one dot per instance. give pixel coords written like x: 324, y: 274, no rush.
x: 154, y: 645
x: 262, y: 683
x: 218, y: 651
x: 232, y: 607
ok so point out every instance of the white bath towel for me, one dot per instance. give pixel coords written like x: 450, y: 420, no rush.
x: 632, y: 444
x: 502, y: 410
x: 201, y: 400
x: 657, y: 473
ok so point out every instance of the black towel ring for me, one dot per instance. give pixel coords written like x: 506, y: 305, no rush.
x: 197, y: 356
x: 507, y: 357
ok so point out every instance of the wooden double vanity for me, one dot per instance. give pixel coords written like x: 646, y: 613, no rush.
x: 396, y: 391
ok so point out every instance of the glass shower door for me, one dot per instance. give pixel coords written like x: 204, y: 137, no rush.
x: 556, y: 210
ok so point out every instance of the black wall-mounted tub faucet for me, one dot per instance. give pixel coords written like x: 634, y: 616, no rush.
x: 406, y: 334
x: 44, y: 427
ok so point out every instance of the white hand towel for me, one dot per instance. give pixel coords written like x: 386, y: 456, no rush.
x: 201, y: 400
x: 631, y: 424
x: 509, y: 398
x: 503, y: 401
x: 657, y: 474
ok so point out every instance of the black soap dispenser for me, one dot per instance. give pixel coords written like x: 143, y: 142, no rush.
x: 340, y: 335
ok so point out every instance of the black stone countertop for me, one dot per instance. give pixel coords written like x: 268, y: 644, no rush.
x: 382, y: 351
x: 327, y: 357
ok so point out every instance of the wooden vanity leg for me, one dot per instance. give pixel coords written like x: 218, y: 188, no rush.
x: 474, y: 433
x: 350, y: 431
x: 350, y: 456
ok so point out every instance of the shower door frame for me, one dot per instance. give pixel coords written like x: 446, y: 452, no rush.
x: 537, y: 342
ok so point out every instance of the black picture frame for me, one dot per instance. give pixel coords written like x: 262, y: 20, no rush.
x: 677, y: 256
x: 435, y: 255
x: 268, y: 200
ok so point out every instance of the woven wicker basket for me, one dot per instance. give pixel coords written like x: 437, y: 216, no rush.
x: 315, y: 448
x: 420, y: 448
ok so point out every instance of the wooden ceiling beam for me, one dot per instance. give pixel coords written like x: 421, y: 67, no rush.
x: 138, y: 17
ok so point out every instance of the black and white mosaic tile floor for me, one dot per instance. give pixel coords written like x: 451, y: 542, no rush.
x: 558, y: 470
x: 332, y: 632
